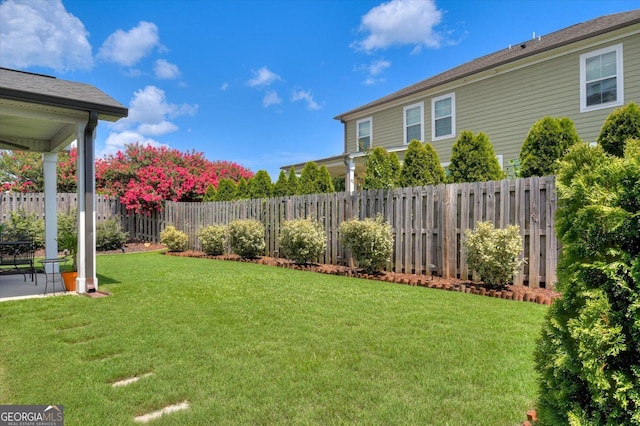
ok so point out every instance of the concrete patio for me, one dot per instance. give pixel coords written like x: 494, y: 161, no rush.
x: 14, y: 287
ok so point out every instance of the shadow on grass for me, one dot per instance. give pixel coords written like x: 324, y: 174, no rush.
x: 103, y: 279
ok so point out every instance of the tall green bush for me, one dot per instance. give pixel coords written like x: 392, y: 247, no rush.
x: 210, y: 193
x: 294, y: 185
x: 246, y: 238
x: 242, y: 190
x: 260, y: 185
x: 547, y: 142
x: 493, y: 253
x: 22, y: 224
x: 622, y: 124
x: 370, y: 241
x: 421, y: 166
x: 213, y: 239
x: 226, y: 190
x: 281, y: 187
x: 308, y: 182
x: 325, y: 183
x: 473, y: 159
x: 302, y: 240
x: 588, y: 356
x: 109, y: 235
x: 380, y: 170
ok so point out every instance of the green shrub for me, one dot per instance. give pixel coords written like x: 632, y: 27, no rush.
x: 210, y: 194
x: 325, y: 183
x: 260, y: 185
x: 67, y: 223
x: 493, y: 253
x: 227, y: 190
x: 281, y: 187
x: 547, y: 142
x: 109, y: 236
x: 370, y: 241
x: 588, y: 355
x: 381, y: 170
x: 174, y: 240
x: 622, y: 124
x: 302, y: 240
x: 247, y: 238
x: 473, y: 159
x: 213, y: 239
x: 421, y: 166
x: 21, y: 224
x: 294, y: 184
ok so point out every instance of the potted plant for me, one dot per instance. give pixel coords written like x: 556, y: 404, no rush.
x: 68, y: 242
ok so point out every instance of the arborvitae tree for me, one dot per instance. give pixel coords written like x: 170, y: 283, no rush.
x: 394, y: 162
x: 210, y: 193
x: 242, y: 190
x: 226, y: 190
x: 339, y: 184
x: 308, y: 183
x: 588, y: 356
x: 261, y: 186
x: 473, y: 159
x: 294, y: 184
x: 281, y: 187
x: 548, y: 141
x: 622, y: 124
x: 421, y: 166
x: 379, y: 171
x: 325, y: 183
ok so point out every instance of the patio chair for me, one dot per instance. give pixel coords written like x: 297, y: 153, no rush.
x: 19, y: 255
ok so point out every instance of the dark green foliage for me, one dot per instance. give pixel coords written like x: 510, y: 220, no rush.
x: 381, y: 170
x: 67, y: 223
x: 620, y: 125
x: 339, y: 184
x: 309, y: 179
x: 394, y: 163
x: 210, y: 193
x: 226, y: 190
x: 588, y: 355
x: 547, y: 141
x: 22, y: 225
x: 242, y: 189
x: 294, y: 185
x: 109, y: 236
x: 421, y: 166
x: 473, y: 159
x: 325, y: 183
x: 281, y: 187
x: 260, y: 185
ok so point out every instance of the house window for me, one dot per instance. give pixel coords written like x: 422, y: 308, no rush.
x: 601, y: 84
x: 443, y: 117
x: 413, y: 128
x: 364, y: 134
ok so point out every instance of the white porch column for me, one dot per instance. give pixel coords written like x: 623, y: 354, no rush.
x: 87, y: 279
x: 351, y: 175
x: 49, y: 161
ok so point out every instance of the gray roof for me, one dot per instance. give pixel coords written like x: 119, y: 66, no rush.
x: 554, y: 40
x: 47, y: 90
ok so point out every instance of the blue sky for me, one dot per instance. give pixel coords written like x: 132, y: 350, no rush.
x: 258, y: 82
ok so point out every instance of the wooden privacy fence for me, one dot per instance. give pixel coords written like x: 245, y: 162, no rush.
x: 428, y: 222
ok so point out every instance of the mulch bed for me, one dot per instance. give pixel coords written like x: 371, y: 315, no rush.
x: 510, y: 292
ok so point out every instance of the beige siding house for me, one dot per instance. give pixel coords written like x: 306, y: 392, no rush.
x: 582, y: 72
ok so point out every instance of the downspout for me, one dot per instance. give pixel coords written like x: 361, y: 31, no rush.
x: 89, y: 201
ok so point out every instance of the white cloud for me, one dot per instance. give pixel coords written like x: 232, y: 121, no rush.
x: 161, y: 128
x: 263, y: 77
x: 116, y: 142
x: 302, y: 95
x: 42, y: 33
x: 128, y: 47
x: 271, y: 98
x: 400, y: 22
x: 224, y: 86
x: 373, y: 71
x: 165, y: 70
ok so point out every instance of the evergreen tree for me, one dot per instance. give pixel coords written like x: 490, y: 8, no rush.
x: 620, y: 125
x: 281, y: 188
x: 325, y: 183
x: 210, y: 193
x: 226, y: 190
x: 473, y: 159
x: 339, y: 184
x: 421, y: 166
x: 309, y: 178
x: 242, y: 190
x: 261, y: 186
x: 548, y: 141
x: 294, y: 184
x: 394, y: 162
x: 379, y: 173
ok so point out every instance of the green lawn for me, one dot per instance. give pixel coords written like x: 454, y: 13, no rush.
x: 252, y: 344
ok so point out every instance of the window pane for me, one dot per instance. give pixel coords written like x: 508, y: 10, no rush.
x: 413, y: 132
x: 593, y: 68
x: 443, y: 108
x: 609, y: 90
x: 593, y: 93
x: 413, y: 116
x: 364, y: 143
x: 608, y: 64
x: 364, y: 129
x: 443, y: 127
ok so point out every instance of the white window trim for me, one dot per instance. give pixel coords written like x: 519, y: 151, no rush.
x: 404, y: 120
x: 364, y: 120
x: 453, y: 116
x: 619, y: 78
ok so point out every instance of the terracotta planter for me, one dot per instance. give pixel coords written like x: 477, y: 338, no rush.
x: 69, y: 279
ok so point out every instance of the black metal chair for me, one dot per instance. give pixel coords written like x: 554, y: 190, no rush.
x: 19, y: 254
